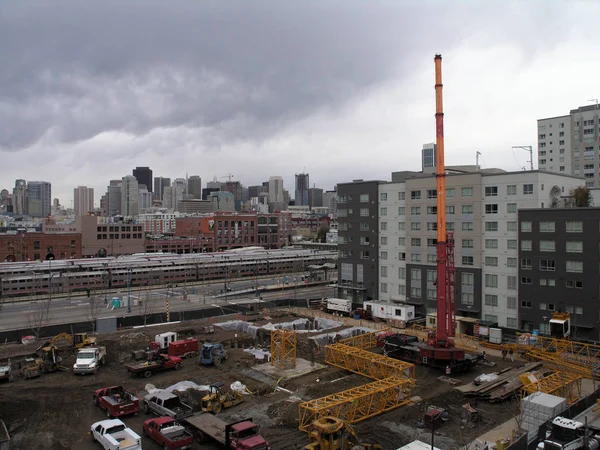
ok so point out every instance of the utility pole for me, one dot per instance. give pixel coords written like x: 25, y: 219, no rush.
x: 129, y: 290
x: 529, y: 148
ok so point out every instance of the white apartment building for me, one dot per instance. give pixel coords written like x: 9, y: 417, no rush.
x: 158, y: 223
x: 481, y: 210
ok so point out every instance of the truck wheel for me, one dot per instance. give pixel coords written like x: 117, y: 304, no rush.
x: 95, y: 400
x: 217, y: 408
x: 103, y: 360
x: 108, y: 414
x: 217, y: 361
x: 177, y: 366
x: 225, y: 356
x: 144, y: 432
x: 147, y: 374
x: 93, y: 438
x: 146, y: 409
x: 165, y: 447
x: 201, y: 437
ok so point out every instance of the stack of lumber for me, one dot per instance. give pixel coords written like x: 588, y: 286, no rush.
x: 505, y: 386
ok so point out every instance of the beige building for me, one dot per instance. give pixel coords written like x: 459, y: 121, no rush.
x: 99, y: 238
x: 83, y: 200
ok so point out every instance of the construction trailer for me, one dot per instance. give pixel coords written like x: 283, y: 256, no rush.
x: 388, y: 311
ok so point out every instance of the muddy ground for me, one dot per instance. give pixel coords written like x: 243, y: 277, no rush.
x: 55, y: 411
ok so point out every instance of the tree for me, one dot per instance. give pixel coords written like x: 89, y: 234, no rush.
x: 147, y: 307
x: 322, y: 233
x: 94, y: 310
x: 39, y: 316
x: 555, y: 196
x: 582, y: 197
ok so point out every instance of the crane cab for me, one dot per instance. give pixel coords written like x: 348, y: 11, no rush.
x: 560, y: 325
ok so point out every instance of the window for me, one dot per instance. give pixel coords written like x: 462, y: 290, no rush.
x: 526, y: 246
x: 491, y: 261
x: 450, y: 193
x: 415, y: 242
x: 364, y: 198
x: 511, y: 189
x: 431, y: 258
x: 511, y: 262
x: 415, y: 226
x: 402, y: 273
x: 415, y: 211
x: 491, y: 280
x: 511, y: 322
x: 527, y: 189
x: 511, y: 208
x: 578, y: 310
x: 574, y: 266
x: 467, y: 243
x: 415, y: 195
x: 466, y: 192
x: 415, y: 257
x: 547, y: 246
x: 574, y: 247
x: 551, y: 282
x: 383, y: 211
x: 467, y: 209
x: 432, y: 210
x: 431, y: 226
x: 449, y: 209
x: 431, y: 294
x: 511, y: 226
x: 431, y: 276
x: 525, y: 227
x: 467, y: 299
x: 384, y: 271
x: 431, y: 242
x: 365, y: 240
x: 525, y: 304
x: 467, y: 226
x: 491, y: 300
x: 384, y: 240
x: 383, y: 226
x: 384, y: 255
x: 383, y: 196
x: 511, y: 302
x: 365, y: 226
x: 401, y: 226
x: 546, y: 227
x: 547, y: 265
x: 401, y: 256
x: 384, y: 288
x: 401, y: 195
x: 491, y: 243
x: 491, y: 209
x: 449, y: 226
x: 525, y: 280
x: 491, y: 226
x: 401, y: 210
x: 364, y: 212
x: 491, y: 318
x: 573, y: 226
x: 467, y: 261
x: 526, y: 263
x: 431, y: 193
x: 342, y: 212
x: 468, y: 279
x: 401, y: 240
x: 364, y: 254
x: 415, y: 275
x: 401, y: 289
x: 491, y: 191
x: 511, y: 244
x: 415, y: 292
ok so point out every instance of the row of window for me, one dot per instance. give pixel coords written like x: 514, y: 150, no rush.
x: 550, y: 246
x: 549, y: 226
x: 490, y: 191
x: 450, y: 226
x: 450, y: 209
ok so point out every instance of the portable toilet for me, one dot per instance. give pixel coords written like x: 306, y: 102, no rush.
x: 115, y: 303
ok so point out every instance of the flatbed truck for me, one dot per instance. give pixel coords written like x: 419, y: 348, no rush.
x: 241, y: 435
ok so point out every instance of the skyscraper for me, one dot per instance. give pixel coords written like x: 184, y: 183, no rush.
x: 20, y: 197
x: 143, y: 175
x: 276, y: 189
x: 302, y: 186
x: 160, y: 184
x: 39, y: 198
x: 130, y: 196
x: 194, y: 187
x: 83, y: 200
x: 113, y: 198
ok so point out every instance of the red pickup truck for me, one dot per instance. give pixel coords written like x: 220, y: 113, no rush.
x: 169, y: 434
x: 116, y: 401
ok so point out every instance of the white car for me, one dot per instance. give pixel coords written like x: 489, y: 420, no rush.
x: 114, y: 435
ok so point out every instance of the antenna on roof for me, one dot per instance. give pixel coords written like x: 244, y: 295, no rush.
x: 477, y: 155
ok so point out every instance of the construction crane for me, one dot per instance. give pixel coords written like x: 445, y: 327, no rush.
x: 229, y: 176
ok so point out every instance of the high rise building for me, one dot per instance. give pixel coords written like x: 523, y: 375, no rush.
x: 145, y: 200
x: 113, y: 199
x: 214, y: 184
x: 253, y: 191
x: 39, y: 198
x: 570, y: 144
x: 276, y: 190
x: 160, y: 184
x: 194, y: 187
x: 174, y: 194
x: 143, y: 175
x: 429, y: 158
x: 315, y: 197
x: 83, y: 200
x: 235, y: 187
x: 130, y: 196
x: 302, y: 186
x: 330, y: 200
x: 20, y: 198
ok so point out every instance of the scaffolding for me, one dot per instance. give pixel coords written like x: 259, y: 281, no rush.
x: 557, y: 383
x: 357, y: 404
x: 283, y: 348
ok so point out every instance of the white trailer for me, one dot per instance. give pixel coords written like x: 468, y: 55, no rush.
x: 339, y: 306
x: 165, y: 338
x: 390, y: 311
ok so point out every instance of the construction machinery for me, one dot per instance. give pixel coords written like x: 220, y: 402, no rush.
x: 212, y: 354
x: 331, y: 433
x: 218, y: 399
x: 560, y: 325
x: 78, y: 340
x: 47, y: 361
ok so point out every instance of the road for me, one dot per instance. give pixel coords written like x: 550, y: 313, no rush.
x: 29, y: 314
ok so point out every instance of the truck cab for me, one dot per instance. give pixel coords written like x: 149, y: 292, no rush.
x: 89, y: 360
x: 246, y: 436
x: 114, y: 435
x: 567, y: 434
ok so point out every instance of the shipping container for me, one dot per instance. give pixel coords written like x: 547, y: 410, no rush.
x: 184, y: 349
x: 339, y: 305
x: 389, y: 311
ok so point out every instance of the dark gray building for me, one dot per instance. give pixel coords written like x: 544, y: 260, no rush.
x: 253, y: 191
x: 559, y: 262
x: 143, y: 175
x: 358, y: 231
x: 315, y: 197
x: 160, y: 183
x: 194, y: 187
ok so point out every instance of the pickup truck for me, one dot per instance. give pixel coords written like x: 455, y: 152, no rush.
x: 241, y: 435
x: 169, y: 434
x: 89, y: 360
x: 166, y: 404
x: 6, y: 371
x: 116, y: 401
x: 158, y: 363
x: 114, y: 435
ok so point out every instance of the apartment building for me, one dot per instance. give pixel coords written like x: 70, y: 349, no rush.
x: 558, y: 271
x: 481, y: 211
x: 570, y: 144
x: 358, y: 234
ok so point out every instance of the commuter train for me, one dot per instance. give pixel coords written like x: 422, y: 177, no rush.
x: 150, y: 269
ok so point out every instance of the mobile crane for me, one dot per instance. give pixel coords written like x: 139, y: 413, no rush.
x: 439, y: 350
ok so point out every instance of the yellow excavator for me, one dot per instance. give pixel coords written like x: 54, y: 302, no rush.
x: 331, y: 433
x: 48, y: 361
x: 217, y: 399
x: 78, y: 340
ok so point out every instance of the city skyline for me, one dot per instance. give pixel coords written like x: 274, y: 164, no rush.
x: 310, y: 92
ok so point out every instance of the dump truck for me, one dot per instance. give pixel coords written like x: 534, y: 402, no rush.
x: 241, y: 435
x: 331, y: 433
x: 166, y: 404
x: 568, y: 434
x: 89, y: 360
x: 168, y: 433
x: 116, y: 401
x: 114, y: 435
x: 158, y: 363
x: 217, y: 399
x: 213, y: 353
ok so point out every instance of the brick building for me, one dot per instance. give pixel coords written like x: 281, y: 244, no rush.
x: 31, y: 246
x: 179, y: 245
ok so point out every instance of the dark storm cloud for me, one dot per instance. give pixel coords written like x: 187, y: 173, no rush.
x: 73, y: 69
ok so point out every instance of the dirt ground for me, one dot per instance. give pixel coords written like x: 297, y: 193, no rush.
x: 55, y: 411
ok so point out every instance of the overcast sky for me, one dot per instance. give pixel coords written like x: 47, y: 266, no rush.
x: 341, y: 89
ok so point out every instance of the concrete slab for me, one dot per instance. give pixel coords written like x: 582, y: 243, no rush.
x: 303, y: 367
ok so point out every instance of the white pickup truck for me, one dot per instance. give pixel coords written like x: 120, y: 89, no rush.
x: 89, y: 359
x: 114, y: 435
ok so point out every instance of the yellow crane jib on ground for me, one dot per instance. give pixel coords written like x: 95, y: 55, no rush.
x: 332, y: 433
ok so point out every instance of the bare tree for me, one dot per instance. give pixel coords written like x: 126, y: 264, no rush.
x: 39, y: 316
x: 147, y: 306
x: 96, y: 304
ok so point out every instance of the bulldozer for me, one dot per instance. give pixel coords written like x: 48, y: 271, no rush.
x: 331, y: 433
x: 78, y: 340
x: 216, y: 400
x: 48, y: 361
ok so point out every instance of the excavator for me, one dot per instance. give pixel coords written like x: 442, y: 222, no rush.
x: 48, y: 361
x: 79, y: 340
x: 331, y: 433
x: 217, y: 399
